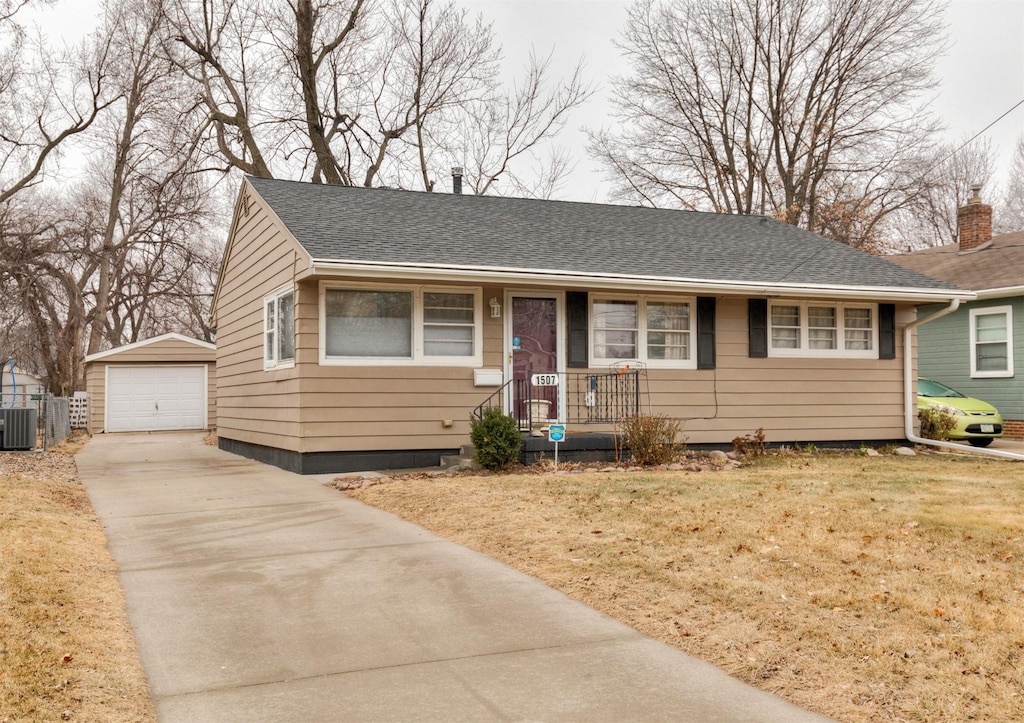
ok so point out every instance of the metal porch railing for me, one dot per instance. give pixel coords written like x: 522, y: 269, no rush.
x: 589, y: 397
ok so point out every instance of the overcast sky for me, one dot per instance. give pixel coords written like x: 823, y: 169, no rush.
x: 982, y: 75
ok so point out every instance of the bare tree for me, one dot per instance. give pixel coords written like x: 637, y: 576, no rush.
x: 46, y: 274
x: 497, y: 130
x: 1009, y: 216
x: 46, y: 97
x: 943, y: 184
x: 127, y: 252
x: 221, y: 48
x: 763, y: 106
x: 358, y: 92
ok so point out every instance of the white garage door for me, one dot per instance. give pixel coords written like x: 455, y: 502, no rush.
x: 156, y: 398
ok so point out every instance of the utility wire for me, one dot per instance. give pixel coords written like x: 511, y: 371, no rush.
x: 975, y: 136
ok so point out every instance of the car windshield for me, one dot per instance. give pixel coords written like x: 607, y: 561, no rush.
x: 928, y: 388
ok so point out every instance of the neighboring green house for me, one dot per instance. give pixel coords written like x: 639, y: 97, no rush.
x: 978, y: 349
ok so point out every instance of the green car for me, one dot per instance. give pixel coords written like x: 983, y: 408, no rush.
x: 977, y: 422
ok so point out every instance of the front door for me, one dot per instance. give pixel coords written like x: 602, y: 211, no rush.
x: 534, y: 350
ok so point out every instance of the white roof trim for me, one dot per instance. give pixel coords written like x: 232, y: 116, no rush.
x: 622, y: 281
x: 152, y: 340
x: 1001, y: 292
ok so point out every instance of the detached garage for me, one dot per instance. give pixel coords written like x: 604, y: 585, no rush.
x: 165, y: 383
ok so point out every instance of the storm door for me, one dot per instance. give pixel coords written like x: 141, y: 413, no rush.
x: 533, y: 350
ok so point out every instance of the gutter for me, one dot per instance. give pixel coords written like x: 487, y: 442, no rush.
x: 1001, y: 292
x: 505, y: 276
x: 910, y: 392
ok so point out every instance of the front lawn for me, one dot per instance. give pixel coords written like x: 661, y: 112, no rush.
x: 863, y: 588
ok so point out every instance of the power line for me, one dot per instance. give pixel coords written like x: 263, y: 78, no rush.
x: 975, y: 136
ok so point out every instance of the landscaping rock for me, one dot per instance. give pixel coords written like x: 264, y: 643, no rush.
x: 718, y: 454
x: 871, y: 452
x: 904, y: 452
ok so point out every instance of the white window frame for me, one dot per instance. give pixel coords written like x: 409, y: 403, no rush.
x: 418, y: 358
x: 991, y: 311
x: 803, y: 347
x: 273, y: 300
x: 642, y: 331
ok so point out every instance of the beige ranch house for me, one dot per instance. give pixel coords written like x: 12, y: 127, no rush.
x: 362, y: 328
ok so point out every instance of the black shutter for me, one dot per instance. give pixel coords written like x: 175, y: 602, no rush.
x: 705, y: 332
x: 887, y: 331
x: 576, y: 314
x: 757, y: 322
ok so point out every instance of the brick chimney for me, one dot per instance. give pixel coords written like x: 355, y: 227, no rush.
x: 974, y: 222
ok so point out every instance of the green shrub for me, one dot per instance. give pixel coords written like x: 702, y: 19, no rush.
x: 936, y: 423
x: 496, y: 439
x: 652, y: 438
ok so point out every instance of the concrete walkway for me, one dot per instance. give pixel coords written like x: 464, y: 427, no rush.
x: 260, y: 595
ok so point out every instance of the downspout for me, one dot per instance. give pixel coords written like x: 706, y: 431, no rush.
x: 910, y: 392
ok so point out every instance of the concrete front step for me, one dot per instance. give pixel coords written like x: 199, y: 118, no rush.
x: 463, y: 460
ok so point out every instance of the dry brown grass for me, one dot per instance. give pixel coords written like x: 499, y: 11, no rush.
x: 66, y: 648
x: 864, y: 588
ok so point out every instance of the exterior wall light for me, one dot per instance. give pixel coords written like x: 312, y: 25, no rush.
x: 495, y: 307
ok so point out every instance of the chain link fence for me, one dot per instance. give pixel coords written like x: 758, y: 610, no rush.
x: 38, y: 421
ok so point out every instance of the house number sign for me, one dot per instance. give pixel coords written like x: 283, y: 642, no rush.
x: 544, y: 380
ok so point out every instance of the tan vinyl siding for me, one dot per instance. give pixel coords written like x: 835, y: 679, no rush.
x: 256, y: 405
x: 95, y: 381
x: 345, y: 407
x: 795, y: 399
x: 167, y: 351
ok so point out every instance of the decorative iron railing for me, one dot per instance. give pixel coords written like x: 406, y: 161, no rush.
x: 588, y: 397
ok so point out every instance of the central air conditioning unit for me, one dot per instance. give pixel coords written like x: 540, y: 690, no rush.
x: 17, y: 429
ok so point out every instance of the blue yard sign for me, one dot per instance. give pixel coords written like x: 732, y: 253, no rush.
x: 556, y: 434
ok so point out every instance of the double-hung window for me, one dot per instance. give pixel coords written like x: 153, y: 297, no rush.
x: 656, y: 331
x: 428, y: 325
x: 992, y: 341
x: 279, y: 329
x: 806, y: 328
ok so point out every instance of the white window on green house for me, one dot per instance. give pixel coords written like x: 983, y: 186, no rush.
x: 992, y: 341
x: 279, y: 329
x: 803, y: 328
x: 656, y: 331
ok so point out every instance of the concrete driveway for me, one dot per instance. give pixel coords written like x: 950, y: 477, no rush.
x: 260, y: 595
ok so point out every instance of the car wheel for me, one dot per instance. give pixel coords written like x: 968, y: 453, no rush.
x: 980, y: 441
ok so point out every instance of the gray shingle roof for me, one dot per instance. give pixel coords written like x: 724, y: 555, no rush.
x: 996, y: 266
x: 336, y: 223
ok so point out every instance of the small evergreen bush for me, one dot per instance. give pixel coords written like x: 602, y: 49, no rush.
x: 652, y: 438
x: 496, y: 439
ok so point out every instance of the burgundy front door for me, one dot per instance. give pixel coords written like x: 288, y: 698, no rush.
x: 534, y: 351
